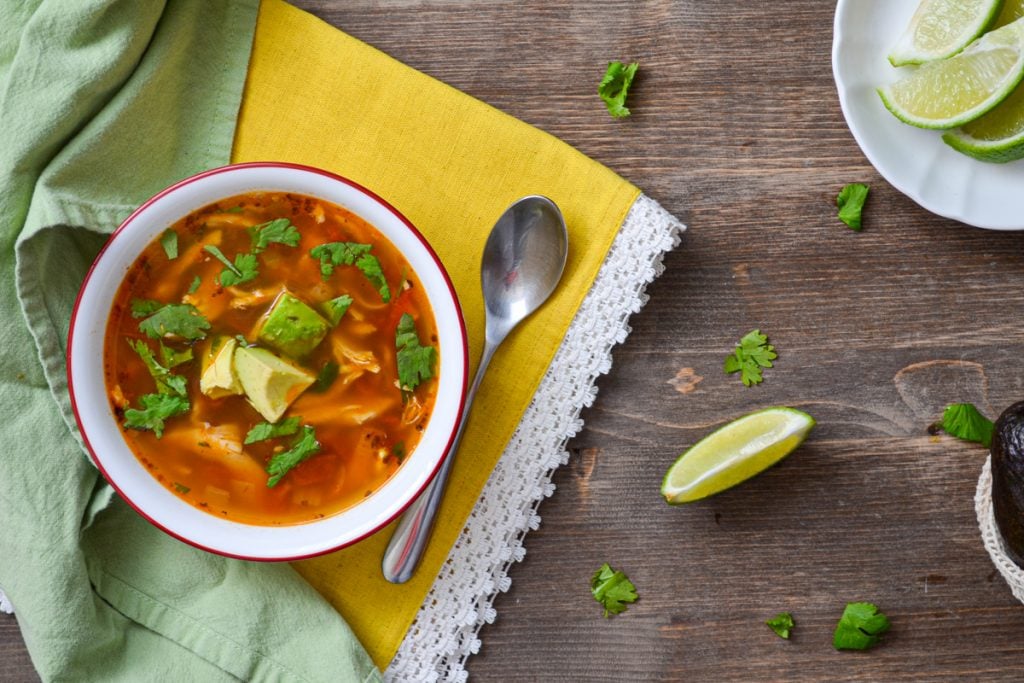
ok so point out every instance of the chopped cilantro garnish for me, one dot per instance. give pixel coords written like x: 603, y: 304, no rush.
x: 614, y: 87
x: 266, y: 430
x: 173, y: 357
x: 144, y: 307
x: 242, y: 270
x: 860, y: 627
x: 751, y: 354
x: 279, y: 231
x: 242, y: 341
x: 966, y: 422
x: 181, y: 488
x: 398, y: 450
x: 325, y: 378
x: 782, y: 623
x: 166, y: 381
x: 334, y: 254
x: 335, y: 308
x: 169, y: 241
x: 156, y: 408
x: 302, y: 448
x: 850, y: 202
x: 234, y: 209
x: 612, y: 589
x: 195, y: 285
x: 181, y: 320
x: 415, y: 362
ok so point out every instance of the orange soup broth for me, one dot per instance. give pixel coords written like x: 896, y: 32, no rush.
x: 362, y: 423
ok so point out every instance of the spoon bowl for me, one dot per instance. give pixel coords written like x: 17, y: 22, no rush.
x: 523, y: 260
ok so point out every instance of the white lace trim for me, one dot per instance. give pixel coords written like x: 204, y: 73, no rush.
x: 445, y: 632
x: 990, y: 535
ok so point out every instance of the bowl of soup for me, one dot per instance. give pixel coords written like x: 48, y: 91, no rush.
x: 267, y: 361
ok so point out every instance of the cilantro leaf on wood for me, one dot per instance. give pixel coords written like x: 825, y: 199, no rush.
x: 277, y: 231
x: 851, y: 202
x: 612, y: 589
x: 415, y: 362
x: 966, y: 422
x: 267, y: 430
x: 166, y: 381
x: 156, y: 408
x: 305, y: 446
x: 169, y: 241
x: 782, y: 623
x: 860, y: 627
x: 614, y: 87
x: 751, y: 355
x: 180, y: 320
x: 144, y: 307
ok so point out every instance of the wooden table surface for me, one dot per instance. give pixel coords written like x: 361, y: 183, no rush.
x: 736, y: 128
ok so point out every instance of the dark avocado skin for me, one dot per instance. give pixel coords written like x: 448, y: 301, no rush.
x: 1008, y: 479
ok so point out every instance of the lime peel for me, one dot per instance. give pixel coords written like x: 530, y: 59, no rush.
x: 941, y: 28
x: 734, y: 453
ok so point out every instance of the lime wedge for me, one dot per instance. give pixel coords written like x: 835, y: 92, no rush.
x: 954, y: 91
x: 941, y: 28
x: 1012, y: 11
x: 998, y: 136
x: 734, y: 453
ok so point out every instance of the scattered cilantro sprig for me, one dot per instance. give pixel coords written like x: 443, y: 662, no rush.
x: 169, y: 241
x: 964, y: 421
x: 268, y: 430
x: 155, y: 410
x: 243, y: 269
x: 860, y: 627
x: 181, y: 320
x: 612, y: 589
x: 851, y: 202
x: 305, y: 446
x: 336, y: 308
x: 333, y: 254
x: 614, y: 87
x: 782, y: 623
x: 166, y: 381
x: 415, y: 362
x: 751, y: 355
x: 277, y: 231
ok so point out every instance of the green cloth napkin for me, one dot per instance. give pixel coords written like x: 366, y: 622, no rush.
x: 103, y: 103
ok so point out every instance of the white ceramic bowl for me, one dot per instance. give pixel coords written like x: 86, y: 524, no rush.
x: 914, y: 161
x: 134, y: 483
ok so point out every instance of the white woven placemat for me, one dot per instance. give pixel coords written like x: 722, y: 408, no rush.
x: 990, y: 535
x: 445, y: 632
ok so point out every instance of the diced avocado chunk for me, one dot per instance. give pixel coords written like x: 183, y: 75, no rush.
x: 292, y: 327
x: 335, y: 308
x: 270, y: 383
x: 218, y: 378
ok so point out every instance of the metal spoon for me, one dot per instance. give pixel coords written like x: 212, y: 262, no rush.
x: 522, y: 262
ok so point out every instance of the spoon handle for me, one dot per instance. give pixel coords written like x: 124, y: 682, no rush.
x: 413, y: 531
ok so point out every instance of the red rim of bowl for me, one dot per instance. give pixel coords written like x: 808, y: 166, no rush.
x: 356, y: 186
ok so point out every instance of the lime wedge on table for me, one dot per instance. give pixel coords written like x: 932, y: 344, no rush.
x: 734, y: 453
x: 998, y: 136
x: 941, y: 28
x: 951, y: 92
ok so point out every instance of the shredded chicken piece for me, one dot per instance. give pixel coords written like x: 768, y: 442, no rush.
x: 117, y: 396
x: 242, y: 299
x: 412, y: 412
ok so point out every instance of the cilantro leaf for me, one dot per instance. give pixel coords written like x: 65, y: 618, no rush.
x: 303, y: 447
x: 266, y: 430
x: 398, y: 450
x: 751, y: 355
x: 169, y: 241
x: 144, y: 307
x: 850, y: 202
x: 860, y: 627
x: 325, y: 378
x: 166, y: 381
x: 966, y: 422
x: 242, y: 270
x: 277, y: 231
x: 156, y: 408
x: 195, y: 285
x: 234, y: 209
x: 181, y: 488
x: 333, y: 254
x: 781, y: 623
x: 614, y: 87
x: 612, y: 589
x: 415, y: 362
x: 335, y: 308
x: 172, y: 357
x: 181, y: 320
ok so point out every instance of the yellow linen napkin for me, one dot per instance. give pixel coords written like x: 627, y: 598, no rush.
x: 451, y: 164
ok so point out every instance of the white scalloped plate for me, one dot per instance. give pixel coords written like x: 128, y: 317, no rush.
x: 914, y: 161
